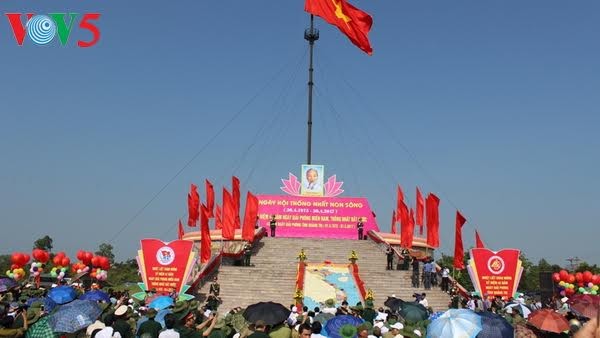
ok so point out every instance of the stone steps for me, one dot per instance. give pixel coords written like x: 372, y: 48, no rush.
x: 273, y: 275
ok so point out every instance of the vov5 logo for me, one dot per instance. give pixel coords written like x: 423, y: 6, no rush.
x: 42, y: 29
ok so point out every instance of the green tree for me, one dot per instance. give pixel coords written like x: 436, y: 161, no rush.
x: 44, y: 243
x: 106, y: 250
x: 123, y: 272
x: 5, y: 264
x: 581, y: 268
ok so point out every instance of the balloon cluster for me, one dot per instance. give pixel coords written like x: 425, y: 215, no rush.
x: 41, y: 257
x: 85, y: 259
x: 18, y: 260
x: 101, y: 264
x: 580, y: 282
x: 61, y: 265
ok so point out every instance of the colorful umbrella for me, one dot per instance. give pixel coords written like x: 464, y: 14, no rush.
x: 97, y: 295
x: 161, y: 302
x: 271, y: 313
x: 548, y: 320
x: 49, y: 304
x: 456, y: 323
x: 522, y: 308
x: 393, y: 303
x: 494, y: 326
x: 523, y: 331
x: 585, y: 305
x: 41, y: 329
x: 333, y: 326
x: 62, y: 294
x: 74, y: 316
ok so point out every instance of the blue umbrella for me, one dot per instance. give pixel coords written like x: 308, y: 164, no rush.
x: 435, y: 315
x: 161, y: 302
x: 456, y: 323
x: 97, y: 295
x: 495, y: 326
x: 49, y: 304
x: 7, y: 284
x: 74, y: 316
x: 62, y: 294
x: 332, y: 326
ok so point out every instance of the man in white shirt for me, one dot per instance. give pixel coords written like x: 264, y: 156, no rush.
x: 169, y: 331
x: 424, y: 301
x: 445, y: 279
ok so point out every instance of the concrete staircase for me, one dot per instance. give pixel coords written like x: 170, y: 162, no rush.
x: 273, y: 276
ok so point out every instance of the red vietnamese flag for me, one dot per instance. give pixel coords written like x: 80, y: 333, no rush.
x: 218, y: 218
x: 180, y: 231
x: 210, y: 199
x: 351, y: 21
x: 393, y: 229
x: 478, y: 241
x: 228, y: 230
x: 420, y: 210
x: 250, y: 217
x: 235, y: 191
x: 459, y: 251
x: 205, y: 241
x: 193, y: 206
x: 432, y: 204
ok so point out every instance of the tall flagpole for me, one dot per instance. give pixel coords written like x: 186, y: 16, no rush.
x: 311, y: 35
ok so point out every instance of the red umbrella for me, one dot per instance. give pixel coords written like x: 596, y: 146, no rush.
x: 586, y: 305
x: 548, y: 320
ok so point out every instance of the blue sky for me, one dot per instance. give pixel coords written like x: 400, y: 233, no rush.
x: 496, y: 102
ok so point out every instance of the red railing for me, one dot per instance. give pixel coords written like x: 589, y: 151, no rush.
x: 359, y: 282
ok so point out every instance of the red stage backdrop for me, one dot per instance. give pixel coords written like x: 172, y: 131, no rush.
x: 166, y: 266
x: 495, y: 273
x: 323, y: 217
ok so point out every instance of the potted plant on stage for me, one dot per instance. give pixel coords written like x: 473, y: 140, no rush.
x: 353, y: 257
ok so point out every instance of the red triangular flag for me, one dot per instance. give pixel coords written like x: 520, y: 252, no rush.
x: 459, y: 251
x: 210, y: 199
x: 478, y: 241
x: 180, y: 231
x: 404, y: 224
x: 193, y: 206
x: 399, y: 201
x: 351, y: 21
x: 228, y: 229
x: 420, y: 209
x: 393, y: 229
x: 218, y: 218
x: 250, y: 217
x: 205, y: 241
x: 432, y: 205
x: 410, y: 230
x: 235, y: 193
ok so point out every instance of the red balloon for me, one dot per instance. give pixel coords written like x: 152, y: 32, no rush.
x: 95, y: 261
x: 14, y: 266
x: 80, y: 255
x: 16, y: 258
x: 564, y: 275
x: 571, y: 279
x: 556, y: 277
x: 26, y: 259
x: 587, y: 277
x: 56, y: 260
x: 596, y: 279
x: 36, y: 254
x: 88, y: 258
x: 61, y: 254
x: 579, y: 277
x: 65, y: 261
x: 44, y: 256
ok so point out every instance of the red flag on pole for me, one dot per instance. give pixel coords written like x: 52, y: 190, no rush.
x: 205, y: 241
x: 410, y: 229
x: 478, y: 241
x: 459, y: 251
x: 420, y: 209
x: 399, y: 201
x: 393, y: 229
x: 228, y: 230
x: 210, y: 199
x: 404, y: 223
x: 432, y: 204
x: 218, y: 218
x: 180, y: 231
x: 193, y: 206
x: 250, y: 217
x: 235, y: 183
x: 351, y: 21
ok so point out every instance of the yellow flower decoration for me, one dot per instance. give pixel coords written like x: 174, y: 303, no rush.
x: 302, y: 255
x: 353, y: 256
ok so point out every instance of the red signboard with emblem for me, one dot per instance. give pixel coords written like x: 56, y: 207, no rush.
x: 495, y: 273
x: 166, y: 266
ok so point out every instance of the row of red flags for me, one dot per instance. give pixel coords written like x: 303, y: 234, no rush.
x: 428, y: 207
x: 226, y: 218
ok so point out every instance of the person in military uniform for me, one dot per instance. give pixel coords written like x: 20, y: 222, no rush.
x: 215, y: 288
x: 359, y: 226
x: 405, y: 259
x: 390, y: 258
x: 273, y: 225
x: 247, y: 254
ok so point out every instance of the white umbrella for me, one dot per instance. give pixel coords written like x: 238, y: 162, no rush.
x: 522, y: 308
